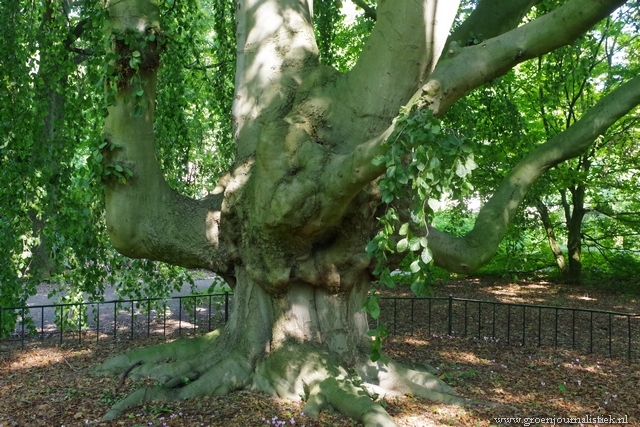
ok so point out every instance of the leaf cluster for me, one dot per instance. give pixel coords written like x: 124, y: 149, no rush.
x: 424, y: 164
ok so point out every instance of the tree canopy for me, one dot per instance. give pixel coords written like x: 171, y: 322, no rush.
x: 303, y: 157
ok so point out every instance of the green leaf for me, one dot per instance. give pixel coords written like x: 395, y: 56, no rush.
x: 414, y: 243
x: 461, y: 171
x: 426, y: 256
x: 387, y: 198
x: 391, y: 171
x: 419, y: 288
x: 415, y: 266
x: 470, y: 164
x: 135, y: 54
x: 386, y: 279
x: 466, y: 148
x: 404, y: 229
x: 402, y: 245
x: 402, y: 177
x: 372, y: 246
x: 372, y: 306
x: 379, y: 160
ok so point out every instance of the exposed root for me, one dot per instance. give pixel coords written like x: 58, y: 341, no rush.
x: 127, y: 372
x: 176, y: 350
x: 295, y: 370
x: 232, y: 373
x: 396, y: 379
x: 345, y: 397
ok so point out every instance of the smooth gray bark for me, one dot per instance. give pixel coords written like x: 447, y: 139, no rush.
x: 287, y: 226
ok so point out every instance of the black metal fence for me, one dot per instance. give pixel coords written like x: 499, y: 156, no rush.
x: 588, y: 331
x: 96, y: 321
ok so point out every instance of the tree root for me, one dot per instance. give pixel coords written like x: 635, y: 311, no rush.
x: 293, y: 371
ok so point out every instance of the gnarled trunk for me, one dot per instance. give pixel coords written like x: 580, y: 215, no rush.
x: 307, y: 342
x: 288, y: 225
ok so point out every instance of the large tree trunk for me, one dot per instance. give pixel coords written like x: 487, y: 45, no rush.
x: 288, y: 225
x: 307, y: 342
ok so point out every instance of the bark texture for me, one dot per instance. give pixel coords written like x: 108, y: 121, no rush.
x: 288, y: 225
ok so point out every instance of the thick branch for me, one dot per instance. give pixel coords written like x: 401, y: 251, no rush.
x: 369, y: 12
x: 146, y: 218
x: 276, y: 50
x: 476, y: 65
x: 490, y: 19
x: 479, y: 64
x: 467, y: 254
x: 402, y: 50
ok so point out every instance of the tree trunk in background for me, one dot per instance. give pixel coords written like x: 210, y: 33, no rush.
x: 543, y: 211
x: 48, y: 142
x: 574, y: 239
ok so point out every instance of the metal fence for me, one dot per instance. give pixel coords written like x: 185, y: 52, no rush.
x: 98, y: 321
x: 587, y: 331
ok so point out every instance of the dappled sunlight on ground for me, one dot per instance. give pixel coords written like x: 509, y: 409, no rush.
x: 463, y: 357
x: 53, y: 386
x: 39, y: 357
x: 541, y: 292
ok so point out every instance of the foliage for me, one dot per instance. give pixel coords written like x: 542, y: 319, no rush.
x: 52, y: 222
x: 424, y: 163
x: 595, y: 192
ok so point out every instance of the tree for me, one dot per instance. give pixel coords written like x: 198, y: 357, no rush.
x: 288, y: 224
x: 537, y: 101
x: 52, y: 224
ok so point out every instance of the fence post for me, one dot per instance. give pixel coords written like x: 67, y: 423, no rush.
x: 450, y: 315
x: 226, y: 306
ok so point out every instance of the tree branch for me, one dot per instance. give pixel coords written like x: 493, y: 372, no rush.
x: 402, y: 50
x: 369, y: 11
x: 145, y: 217
x: 490, y: 19
x: 471, y: 67
x: 476, y: 65
x: 276, y: 51
x: 468, y: 253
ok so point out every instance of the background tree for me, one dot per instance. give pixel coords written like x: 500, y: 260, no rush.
x: 52, y: 225
x: 316, y: 151
x: 537, y: 101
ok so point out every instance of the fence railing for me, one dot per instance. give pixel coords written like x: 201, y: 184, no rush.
x: 587, y: 331
x: 84, y: 321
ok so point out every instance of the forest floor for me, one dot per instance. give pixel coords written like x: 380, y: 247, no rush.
x: 52, y: 386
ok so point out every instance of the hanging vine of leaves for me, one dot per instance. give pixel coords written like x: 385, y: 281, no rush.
x: 133, y: 52
x: 424, y: 163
